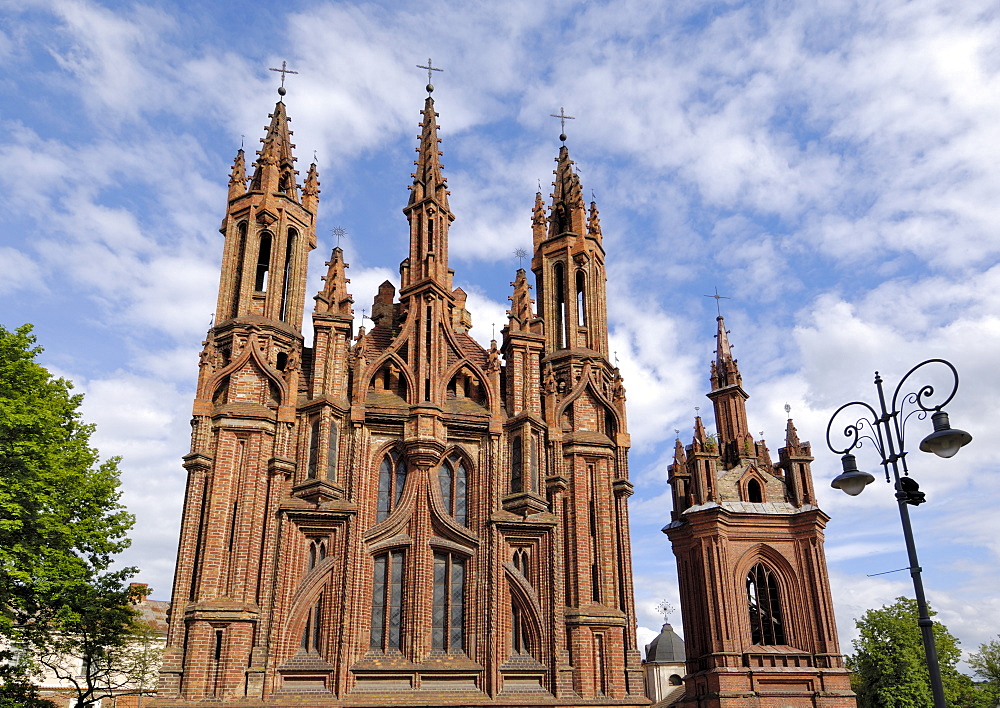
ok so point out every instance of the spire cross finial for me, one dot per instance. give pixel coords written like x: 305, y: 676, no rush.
x: 520, y: 254
x: 430, y: 68
x: 665, y: 609
x: 283, y: 70
x: 561, y: 115
x: 242, y: 139
x: 718, y: 297
x: 788, y: 410
x: 339, y: 232
x: 315, y: 159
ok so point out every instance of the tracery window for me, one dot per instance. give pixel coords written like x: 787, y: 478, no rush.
x: 387, y: 602
x: 448, y: 616
x: 766, y: 624
x: 391, y: 480
x: 311, y: 632
x: 454, y: 481
x: 313, y: 448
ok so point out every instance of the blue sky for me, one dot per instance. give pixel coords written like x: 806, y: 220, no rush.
x: 832, y: 170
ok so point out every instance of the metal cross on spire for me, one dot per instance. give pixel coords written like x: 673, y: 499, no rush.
x: 520, y: 254
x: 718, y: 297
x: 339, y: 232
x: 283, y: 70
x: 430, y: 68
x: 561, y: 115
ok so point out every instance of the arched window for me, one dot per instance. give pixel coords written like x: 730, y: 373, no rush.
x: 581, y: 300
x: 311, y: 632
x: 522, y: 561
x: 454, y: 481
x: 391, y: 480
x: 754, y: 493
x: 241, y: 231
x: 286, y: 274
x: 387, y: 602
x: 520, y: 637
x: 313, y: 448
x: 331, y: 453
x: 562, y: 341
x: 516, y: 465
x: 766, y: 625
x: 448, y: 617
x: 263, y: 262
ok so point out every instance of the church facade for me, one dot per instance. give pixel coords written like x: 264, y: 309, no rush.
x: 398, y: 516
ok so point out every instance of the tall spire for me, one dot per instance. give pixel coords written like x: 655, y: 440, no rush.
x: 729, y: 398
x: 428, y: 212
x: 725, y: 372
x: 568, y: 210
x: 428, y: 180
x: 310, y: 190
x: 275, y: 166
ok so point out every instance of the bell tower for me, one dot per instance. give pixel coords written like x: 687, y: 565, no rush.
x: 243, y: 421
x: 748, y: 538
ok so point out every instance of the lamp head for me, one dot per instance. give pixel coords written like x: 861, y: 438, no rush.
x: 945, y: 441
x: 851, y: 481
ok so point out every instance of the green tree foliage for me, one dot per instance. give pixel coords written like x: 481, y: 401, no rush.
x: 61, y: 522
x: 889, y: 665
x: 105, y: 647
x: 986, y: 664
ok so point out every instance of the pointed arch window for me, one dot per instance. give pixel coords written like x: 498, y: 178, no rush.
x: 562, y: 341
x: 454, y: 479
x: 581, y: 300
x: 286, y: 274
x: 391, y: 480
x: 263, y: 262
x: 311, y: 632
x: 313, y: 448
x: 241, y: 234
x: 766, y: 624
x: 331, y: 453
x: 448, y: 616
x: 516, y: 465
x: 387, y: 602
x: 520, y: 635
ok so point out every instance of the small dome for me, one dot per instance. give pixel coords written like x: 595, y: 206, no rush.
x: 666, y: 648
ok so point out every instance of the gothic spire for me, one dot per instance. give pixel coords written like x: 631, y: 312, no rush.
x: 725, y: 372
x: 568, y: 210
x: 310, y: 190
x: 594, y: 222
x: 334, y: 298
x: 538, y: 221
x: 428, y: 212
x: 275, y: 166
x: 428, y: 180
x: 238, y: 176
x: 520, y: 313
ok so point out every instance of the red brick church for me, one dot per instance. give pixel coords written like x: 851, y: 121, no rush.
x: 398, y: 516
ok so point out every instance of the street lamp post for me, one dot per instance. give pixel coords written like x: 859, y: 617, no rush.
x: 885, y: 429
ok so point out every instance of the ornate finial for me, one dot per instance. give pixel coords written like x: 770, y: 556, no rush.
x: 696, y: 409
x: 242, y: 140
x: 616, y: 358
x: 520, y: 254
x: 430, y: 68
x: 561, y: 115
x: 283, y: 70
x: 539, y: 185
x: 494, y: 331
x: 315, y: 159
x: 665, y: 609
x: 788, y: 410
x: 717, y: 298
x: 677, y: 433
x: 338, y: 232
x: 211, y: 321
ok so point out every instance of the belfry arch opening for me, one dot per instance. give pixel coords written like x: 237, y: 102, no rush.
x: 263, y: 262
